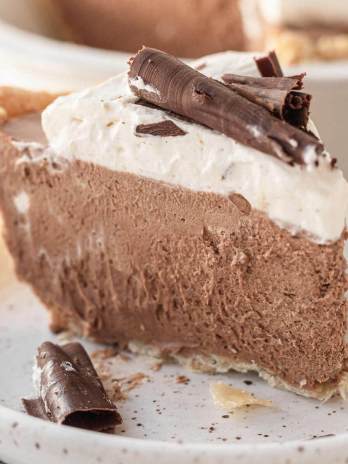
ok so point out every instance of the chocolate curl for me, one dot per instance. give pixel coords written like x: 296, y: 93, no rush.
x: 170, y: 84
x: 269, y: 65
x: 71, y: 392
x: 296, y: 109
x: 276, y: 94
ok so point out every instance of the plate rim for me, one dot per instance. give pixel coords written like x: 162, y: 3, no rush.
x: 337, y: 442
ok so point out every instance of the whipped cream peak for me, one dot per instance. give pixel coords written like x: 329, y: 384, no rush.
x: 98, y: 125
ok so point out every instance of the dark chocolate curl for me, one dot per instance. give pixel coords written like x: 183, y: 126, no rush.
x: 269, y: 65
x: 71, y: 392
x: 296, y: 109
x: 170, y: 84
x: 276, y: 94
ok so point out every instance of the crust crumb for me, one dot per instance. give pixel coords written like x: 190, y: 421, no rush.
x: 229, y: 398
x: 157, y: 366
x: 133, y: 381
x: 15, y: 101
x: 105, y: 353
x: 3, y: 115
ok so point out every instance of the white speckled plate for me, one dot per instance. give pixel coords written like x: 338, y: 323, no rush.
x: 164, y: 421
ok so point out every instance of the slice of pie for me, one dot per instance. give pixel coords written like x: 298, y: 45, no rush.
x: 198, y: 218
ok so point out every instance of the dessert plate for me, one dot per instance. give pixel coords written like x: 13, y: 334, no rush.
x: 167, y: 417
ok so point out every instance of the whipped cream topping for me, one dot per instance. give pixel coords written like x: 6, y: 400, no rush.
x: 301, y: 12
x: 98, y: 126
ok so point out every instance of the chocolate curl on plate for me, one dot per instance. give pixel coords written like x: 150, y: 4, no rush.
x: 172, y: 85
x: 71, y: 392
x: 269, y: 65
x: 277, y: 94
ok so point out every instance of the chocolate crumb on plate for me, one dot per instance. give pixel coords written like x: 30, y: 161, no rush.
x: 247, y: 382
x: 71, y: 392
x: 182, y: 379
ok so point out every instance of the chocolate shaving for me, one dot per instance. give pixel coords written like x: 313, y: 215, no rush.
x: 277, y: 94
x: 269, y: 65
x: 71, y: 392
x: 270, y: 83
x: 162, y: 129
x: 172, y: 85
x: 201, y: 66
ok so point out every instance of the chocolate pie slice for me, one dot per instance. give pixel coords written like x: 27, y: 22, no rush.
x: 183, y: 212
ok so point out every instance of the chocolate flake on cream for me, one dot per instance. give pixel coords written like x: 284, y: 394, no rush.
x: 162, y: 129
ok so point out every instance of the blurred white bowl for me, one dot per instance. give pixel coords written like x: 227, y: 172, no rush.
x: 39, y: 63
x: 31, y: 59
x: 328, y: 83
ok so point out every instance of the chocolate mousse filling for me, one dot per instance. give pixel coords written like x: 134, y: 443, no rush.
x: 120, y: 258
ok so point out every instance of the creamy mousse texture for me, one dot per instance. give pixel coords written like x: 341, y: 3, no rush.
x: 192, y: 245
x: 299, y: 30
